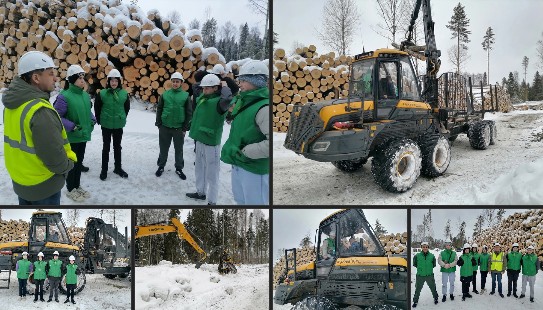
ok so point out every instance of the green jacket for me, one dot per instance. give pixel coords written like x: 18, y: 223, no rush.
x: 71, y: 274
x: 174, y: 109
x: 207, y: 124
x: 530, y: 264
x: 513, y: 260
x: 23, y: 270
x: 79, y: 112
x: 245, y: 131
x: 476, y: 256
x: 39, y: 270
x: 112, y: 108
x: 424, y: 263
x: 447, y: 257
x: 483, y: 261
x: 55, y: 267
x: 467, y: 265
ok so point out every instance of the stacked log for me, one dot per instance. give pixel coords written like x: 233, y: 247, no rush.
x: 394, y: 243
x: 523, y: 228
x: 306, y: 77
x: 76, y: 235
x: 101, y: 35
x: 13, y: 230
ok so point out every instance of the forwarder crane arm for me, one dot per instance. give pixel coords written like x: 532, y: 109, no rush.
x: 431, y: 53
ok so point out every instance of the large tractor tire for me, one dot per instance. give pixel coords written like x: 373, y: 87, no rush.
x: 479, y: 135
x: 81, y: 282
x: 493, y: 132
x: 436, y: 154
x: 315, y: 302
x: 396, y: 165
x: 110, y: 276
x: 350, y: 165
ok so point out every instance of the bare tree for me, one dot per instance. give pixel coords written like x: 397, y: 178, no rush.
x: 207, y: 13
x: 525, y: 62
x: 340, y: 22
x: 261, y: 7
x: 489, y: 214
x: 488, y: 41
x: 72, y: 217
x: 393, y: 13
x: 447, y: 230
x: 194, y: 24
x: 174, y: 17
x: 540, y: 51
x: 458, y: 60
x: 228, y: 31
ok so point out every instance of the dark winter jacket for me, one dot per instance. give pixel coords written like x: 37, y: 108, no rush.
x: 467, y: 265
x: 231, y: 84
x: 196, y: 92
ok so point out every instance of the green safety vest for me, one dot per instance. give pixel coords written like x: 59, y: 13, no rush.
x: 54, y: 268
x: 425, y: 264
x: 39, y: 270
x: 24, y: 269
x: 476, y: 255
x: 79, y: 112
x: 173, y: 112
x: 113, y: 115
x: 448, y: 257
x: 467, y: 269
x: 483, y: 261
x: 513, y: 260
x: 529, y: 265
x: 71, y: 277
x: 207, y: 124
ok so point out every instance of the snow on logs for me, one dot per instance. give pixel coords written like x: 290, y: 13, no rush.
x: 101, y: 35
x: 17, y: 230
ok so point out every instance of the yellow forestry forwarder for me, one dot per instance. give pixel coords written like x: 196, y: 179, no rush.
x: 390, y: 116
x: 351, y: 270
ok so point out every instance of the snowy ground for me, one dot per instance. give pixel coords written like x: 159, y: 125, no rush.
x: 99, y: 293
x: 472, y: 176
x: 182, y: 287
x: 140, y: 153
x: 485, y: 301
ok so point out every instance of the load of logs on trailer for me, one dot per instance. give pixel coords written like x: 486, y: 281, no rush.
x: 523, y: 228
x: 393, y: 244
x: 102, y: 35
x: 17, y: 230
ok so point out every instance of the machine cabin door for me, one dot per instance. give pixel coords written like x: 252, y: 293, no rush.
x: 326, y: 250
x: 386, y: 84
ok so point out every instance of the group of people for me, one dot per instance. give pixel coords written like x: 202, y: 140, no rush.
x: 53, y: 270
x: 496, y: 263
x: 45, y: 144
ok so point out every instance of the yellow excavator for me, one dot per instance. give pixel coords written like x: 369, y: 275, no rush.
x: 175, y: 226
x: 351, y: 269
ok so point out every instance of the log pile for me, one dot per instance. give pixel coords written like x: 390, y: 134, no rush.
x: 76, y: 235
x: 17, y: 230
x: 306, y: 77
x: 523, y: 228
x: 101, y: 35
x: 393, y: 244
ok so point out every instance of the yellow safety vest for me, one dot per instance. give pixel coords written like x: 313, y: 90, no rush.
x: 22, y: 163
x: 496, y: 263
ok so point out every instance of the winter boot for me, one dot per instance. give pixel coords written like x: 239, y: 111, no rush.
x: 84, y: 168
x: 522, y: 296
x: 435, y: 301
x: 196, y: 196
x: 444, y: 298
x: 73, y: 301
x: 50, y: 300
x: 56, y: 300
x: 211, y: 203
x: 452, y: 296
x: 492, y: 293
x: 515, y: 294
x: 414, y: 305
x: 67, y: 300
x: 159, y: 171
x: 119, y: 171
x: 476, y: 292
x: 531, y: 299
x: 501, y: 295
x: 180, y: 174
x: 509, y: 294
x: 468, y: 295
x: 463, y: 297
x: 103, y: 175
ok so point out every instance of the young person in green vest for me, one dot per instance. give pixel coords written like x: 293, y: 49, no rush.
x: 530, y: 267
x: 23, y: 269
x: 513, y: 270
x: 38, y: 163
x: 329, y: 246
x: 173, y: 116
x: 71, y: 279
x: 447, y: 261
x: 467, y: 263
x: 484, y: 258
x: 111, y: 108
x: 425, y: 263
x: 206, y: 130
x: 73, y: 104
x: 475, y: 253
x: 496, y: 265
x: 54, y: 274
x: 39, y: 276
x: 247, y: 147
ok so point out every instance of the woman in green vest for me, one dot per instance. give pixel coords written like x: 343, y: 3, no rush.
x: 513, y: 270
x: 530, y: 267
x: 475, y: 253
x: 173, y: 115
x: 206, y: 130
x: 247, y: 147
x: 71, y: 279
x: 73, y: 104
x: 467, y: 264
x: 39, y: 276
x: 111, y: 109
x: 484, y: 258
x: 54, y: 274
x: 23, y: 269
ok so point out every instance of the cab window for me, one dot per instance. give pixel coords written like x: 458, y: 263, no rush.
x: 388, y: 80
x: 409, y: 81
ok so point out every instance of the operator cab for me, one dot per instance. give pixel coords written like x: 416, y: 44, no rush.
x: 46, y: 227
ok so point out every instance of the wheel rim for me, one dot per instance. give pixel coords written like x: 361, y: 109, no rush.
x: 406, y: 165
x: 486, y: 134
x: 441, y: 156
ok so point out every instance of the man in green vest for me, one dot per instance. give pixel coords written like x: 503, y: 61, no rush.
x: 484, y: 258
x: 206, y: 130
x: 39, y: 276
x: 467, y: 263
x: 23, y: 269
x: 329, y: 246
x: 530, y: 267
x: 497, y: 264
x: 475, y: 253
x: 425, y: 263
x: 247, y: 148
x: 173, y: 117
x: 111, y: 109
x: 447, y: 261
x: 54, y: 268
x: 36, y: 150
x: 513, y: 270
x: 71, y: 279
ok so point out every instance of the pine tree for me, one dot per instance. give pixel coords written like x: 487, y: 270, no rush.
x: 243, y: 38
x: 488, y: 41
x: 379, y: 229
x: 504, y: 82
x: 478, y: 228
x: 458, y: 25
x: 194, y: 24
x: 209, y: 32
x: 306, y: 241
x: 447, y: 230
x: 536, y: 91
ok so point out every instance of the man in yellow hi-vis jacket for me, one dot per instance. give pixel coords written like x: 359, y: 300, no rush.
x: 36, y: 149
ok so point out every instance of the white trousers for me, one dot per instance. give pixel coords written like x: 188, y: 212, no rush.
x: 250, y: 188
x: 207, y: 169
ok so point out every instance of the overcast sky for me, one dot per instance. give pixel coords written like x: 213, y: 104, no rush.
x: 440, y: 217
x: 185, y: 212
x: 517, y: 26
x: 291, y: 225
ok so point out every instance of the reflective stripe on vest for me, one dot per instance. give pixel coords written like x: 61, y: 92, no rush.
x: 496, y: 262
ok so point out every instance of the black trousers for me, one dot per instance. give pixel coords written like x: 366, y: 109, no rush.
x: 483, y: 279
x: 165, y: 137
x: 22, y: 287
x: 474, y: 280
x: 74, y: 176
x: 465, y: 285
x: 512, y: 279
x: 117, y: 135
x: 39, y: 289
x: 71, y: 291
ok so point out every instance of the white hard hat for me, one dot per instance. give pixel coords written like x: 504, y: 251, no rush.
x: 448, y: 240
x: 71, y: 257
x: 40, y: 254
x: 530, y: 247
x: 254, y: 67
x: 34, y: 60
x: 467, y: 246
x: 25, y: 253
x: 74, y: 69
x: 210, y: 80
x: 474, y: 245
x: 217, y: 69
x: 496, y: 244
x: 114, y: 73
x: 55, y: 253
x: 515, y: 245
x: 424, y: 243
x: 177, y: 75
